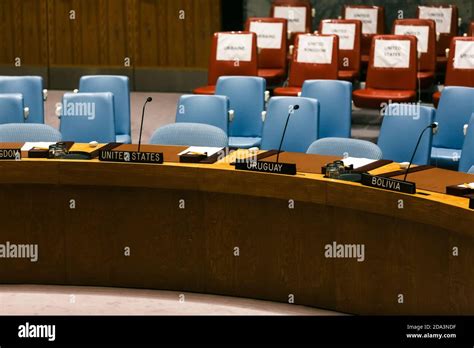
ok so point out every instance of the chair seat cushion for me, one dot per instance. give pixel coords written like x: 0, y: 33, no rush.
x: 436, y: 96
x: 426, y: 78
x: 123, y: 138
x: 348, y: 75
x: 206, y: 90
x: 372, y: 98
x: 445, y: 158
x: 287, y: 91
x: 272, y: 74
x: 244, y: 142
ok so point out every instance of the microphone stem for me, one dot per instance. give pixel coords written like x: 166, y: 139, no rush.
x: 283, y: 136
x: 141, y: 126
x: 414, y: 152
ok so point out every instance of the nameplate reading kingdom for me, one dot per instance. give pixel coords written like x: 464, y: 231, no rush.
x: 389, y: 184
x: 10, y: 154
x: 267, y: 167
x: 131, y: 157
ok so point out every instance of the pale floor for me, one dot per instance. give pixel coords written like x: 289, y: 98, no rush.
x: 70, y: 300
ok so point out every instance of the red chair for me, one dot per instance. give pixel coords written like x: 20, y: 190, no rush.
x: 389, y: 79
x: 348, y: 31
x: 458, y: 74
x: 271, y: 50
x: 373, y: 23
x: 315, y: 57
x: 471, y: 29
x: 445, y: 29
x: 424, y: 30
x: 298, y: 13
x: 225, y: 60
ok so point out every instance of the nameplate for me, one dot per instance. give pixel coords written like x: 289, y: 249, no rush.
x: 131, y: 156
x: 10, y: 154
x: 267, y: 167
x: 471, y: 201
x: 388, y: 184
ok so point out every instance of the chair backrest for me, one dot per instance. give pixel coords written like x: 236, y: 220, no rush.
x: 349, y: 33
x: 424, y: 30
x: 207, y: 109
x: 11, y: 108
x: 23, y: 132
x: 32, y: 89
x: 467, y: 156
x: 314, y: 57
x: 446, y: 18
x: 471, y: 29
x: 335, y: 103
x: 234, y: 54
x: 471, y: 171
x: 389, y: 69
x: 401, y: 127
x: 302, y: 127
x: 460, y: 69
x: 119, y: 87
x: 247, y: 100
x: 296, y: 12
x: 190, y: 134
x: 88, y: 117
x: 373, y: 22
x: 271, y: 41
x: 454, y: 111
x: 345, y: 147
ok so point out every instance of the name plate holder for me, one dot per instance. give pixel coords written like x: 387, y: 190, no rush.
x: 471, y: 201
x: 110, y: 155
x: 267, y: 167
x: 10, y: 154
x: 389, y: 184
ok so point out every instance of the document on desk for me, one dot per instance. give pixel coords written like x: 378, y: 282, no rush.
x: 201, y: 150
x: 357, y: 162
x: 36, y: 145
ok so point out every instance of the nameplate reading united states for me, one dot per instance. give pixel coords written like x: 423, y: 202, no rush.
x: 267, y: 167
x: 10, y: 154
x: 388, y: 184
x: 131, y: 156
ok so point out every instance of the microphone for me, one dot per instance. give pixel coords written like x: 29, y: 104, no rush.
x: 434, y: 127
x: 149, y: 99
x: 295, y: 107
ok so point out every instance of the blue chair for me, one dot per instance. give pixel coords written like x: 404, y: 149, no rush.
x: 190, y: 134
x: 454, y: 111
x: 88, y: 117
x: 11, y: 108
x: 466, y: 161
x: 471, y: 171
x: 335, y: 102
x: 207, y: 109
x: 119, y: 87
x: 32, y: 89
x: 23, y: 132
x: 302, y: 127
x: 345, y: 147
x: 401, y: 127
x: 247, y: 99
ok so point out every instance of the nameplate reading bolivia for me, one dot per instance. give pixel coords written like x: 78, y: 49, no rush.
x: 10, y: 154
x: 131, y: 156
x: 389, y: 184
x: 267, y: 167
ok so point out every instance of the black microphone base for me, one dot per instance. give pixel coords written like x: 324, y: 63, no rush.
x: 267, y: 167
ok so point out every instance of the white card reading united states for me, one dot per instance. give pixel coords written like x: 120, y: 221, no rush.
x: 315, y: 49
x: 442, y: 17
x: 421, y: 33
x: 346, y: 33
x: 464, y: 55
x: 392, y: 54
x: 234, y: 47
x: 368, y: 17
x: 296, y: 17
x: 268, y: 34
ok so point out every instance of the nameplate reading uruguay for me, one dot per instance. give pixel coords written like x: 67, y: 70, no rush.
x: 389, y: 184
x: 267, y: 167
x: 131, y: 156
x: 10, y: 154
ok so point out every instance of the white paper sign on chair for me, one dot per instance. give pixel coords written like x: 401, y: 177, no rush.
x: 442, y: 17
x: 234, y: 47
x: 420, y: 31
x: 315, y: 49
x: 296, y: 17
x: 368, y: 17
x: 464, y: 55
x: 346, y: 33
x: 268, y: 34
x: 392, y: 54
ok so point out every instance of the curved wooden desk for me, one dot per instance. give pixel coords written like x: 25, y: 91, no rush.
x: 281, y: 251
